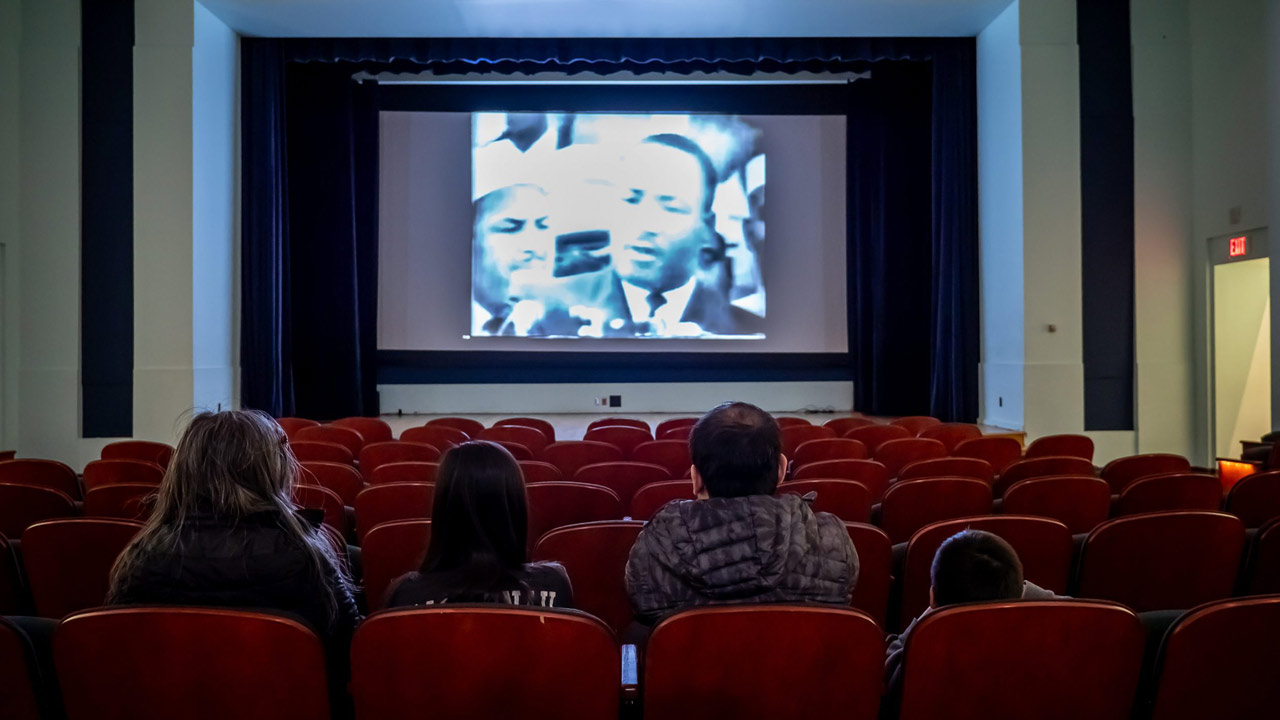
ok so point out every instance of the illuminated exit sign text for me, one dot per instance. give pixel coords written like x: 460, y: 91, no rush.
x: 1237, y: 246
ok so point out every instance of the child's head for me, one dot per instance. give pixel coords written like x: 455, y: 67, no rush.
x: 975, y: 565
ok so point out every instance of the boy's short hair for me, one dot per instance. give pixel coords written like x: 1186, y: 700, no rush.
x: 975, y: 565
x: 736, y: 448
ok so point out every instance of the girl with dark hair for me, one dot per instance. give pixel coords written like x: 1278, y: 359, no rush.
x: 479, y: 524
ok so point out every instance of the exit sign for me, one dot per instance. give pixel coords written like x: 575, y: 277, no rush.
x: 1237, y: 246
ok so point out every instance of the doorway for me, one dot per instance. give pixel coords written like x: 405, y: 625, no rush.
x: 1240, y: 340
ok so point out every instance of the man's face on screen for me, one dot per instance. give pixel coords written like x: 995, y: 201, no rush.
x: 514, y: 242
x: 660, y: 225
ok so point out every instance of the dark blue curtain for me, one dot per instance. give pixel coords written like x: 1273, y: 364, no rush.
x: 310, y: 247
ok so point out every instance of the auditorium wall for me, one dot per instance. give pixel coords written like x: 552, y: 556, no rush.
x: 10, y: 174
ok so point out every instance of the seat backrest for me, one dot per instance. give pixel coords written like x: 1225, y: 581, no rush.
x: 679, y: 432
x: 569, y: 455
x: 848, y: 500
x: 875, y: 570
x: 1001, y: 661
x: 373, y: 430
x: 41, y: 473
x: 378, y: 504
x: 912, y: 504
x: 897, y: 454
x: 342, y: 479
x: 518, y: 451
x: 546, y: 428
x: 674, y: 423
x: 619, y: 422
x: 291, y: 425
x: 314, y: 451
x: 1079, y: 502
x: 649, y: 499
x: 1001, y: 452
x: 1219, y: 660
x: 1080, y: 446
x: 916, y: 424
x: 161, y: 663
x: 156, y: 452
x: 948, y: 467
x: 670, y: 454
x: 1175, y: 491
x: 1162, y: 561
x: 556, y: 504
x: 114, y: 472
x: 744, y: 662
x: 344, y: 436
x: 1261, y: 574
x: 844, y: 425
x: 536, y: 471
x: 787, y: 421
x: 13, y: 593
x: 439, y: 436
x: 19, y: 675
x: 314, y: 497
x: 69, y: 561
x: 868, y: 472
x: 24, y: 505
x: 529, y: 437
x: 1044, y: 546
x: 595, y: 556
x: 623, y: 478
x: 836, y: 448
x: 1120, y: 472
x: 951, y: 434
x: 471, y: 427
x: 374, y: 455
x: 390, y: 550
x: 1050, y: 466
x: 796, y: 435
x: 402, y: 472
x: 873, y: 436
x: 1255, y: 499
x: 625, y: 437
x: 484, y: 662
x: 126, y: 501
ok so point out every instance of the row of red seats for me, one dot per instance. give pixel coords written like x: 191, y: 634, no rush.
x: 969, y: 662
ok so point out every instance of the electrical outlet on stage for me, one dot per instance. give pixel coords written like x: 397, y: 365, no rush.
x: 615, y: 401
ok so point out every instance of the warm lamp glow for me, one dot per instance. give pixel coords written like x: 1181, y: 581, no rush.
x: 1231, y: 472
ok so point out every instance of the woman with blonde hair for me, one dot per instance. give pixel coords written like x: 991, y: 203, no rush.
x: 224, y: 531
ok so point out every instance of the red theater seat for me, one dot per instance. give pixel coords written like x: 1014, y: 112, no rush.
x: 547, y: 429
x: 952, y: 434
x: 619, y: 422
x: 1044, y: 546
x: 1080, y: 446
x: 873, y: 436
x: 536, y: 471
x: 828, y: 449
x: 1175, y: 491
x: 948, y: 467
x: 378, y: 504
x: 18, y: 675
x: 1001, y: 661
x: 156, y: 452
x: 1001, y: 452
x: 390, y: 550
x: 165, y: 663
x: 1255, y: 499
x: 623, y: 478
x: 786, y: 422
x: 69, y: 561
x: 114, y: 472
x: 846, y: 499
x: 314, y: 497
x: 875, y: 570
x: 796, y: 435
x: 306, y: 451
x: 346, y: 437
x: 41, y: 473
x: 844, y: 425
x: 1042, y: 467
x: 624, y: 437
x: 531, y: 438
x: 912, y: 504
x: 1162, y: 561
x: 519, y: 663
x: 553, y: 505
x: 471, y: 427
x: 405, y: 472
x: 438, y: 436
x: 1262, y: 570
x: 1079, y: 502
x: 649, y: 499
x: 13, y: 599
x: 680, y: 432
x: 746, y: 662
x: 375, y: 455
x: 291, y: 425
x: 674, y: 423
x: 897, y: 454
x: 1122, y: 471
x: 340, y: 478
x: 868, y: 472
x: 670, y: 454
x: 916, y: 424
x: 372, y: 430
x: 22, y: 506
x: 570, y: 455
x: 124, y: 501
x: 595, y: 556
x: 518, y: 451
x: 1218, y: 661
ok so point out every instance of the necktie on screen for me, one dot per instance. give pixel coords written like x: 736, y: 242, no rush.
x: 493, y: 324
x: 655, y: 300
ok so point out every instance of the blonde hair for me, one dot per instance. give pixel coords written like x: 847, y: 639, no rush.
x: 228, y: 465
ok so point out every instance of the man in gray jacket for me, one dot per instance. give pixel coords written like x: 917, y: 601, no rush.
x: 737, y: 543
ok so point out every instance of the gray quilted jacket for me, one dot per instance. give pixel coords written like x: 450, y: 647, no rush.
x: 757, y: 549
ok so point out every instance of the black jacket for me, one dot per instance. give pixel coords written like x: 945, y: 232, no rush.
x: 253, y: 564
x: 757, y: 549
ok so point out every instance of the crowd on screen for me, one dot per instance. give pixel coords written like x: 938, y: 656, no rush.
x: 225, y: 533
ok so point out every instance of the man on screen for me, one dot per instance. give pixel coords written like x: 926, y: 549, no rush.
x: 511, y: 259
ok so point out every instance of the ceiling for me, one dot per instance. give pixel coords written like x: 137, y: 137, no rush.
x: 605, y: 18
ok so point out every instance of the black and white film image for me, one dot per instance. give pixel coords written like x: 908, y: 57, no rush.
x: 618, y: 225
